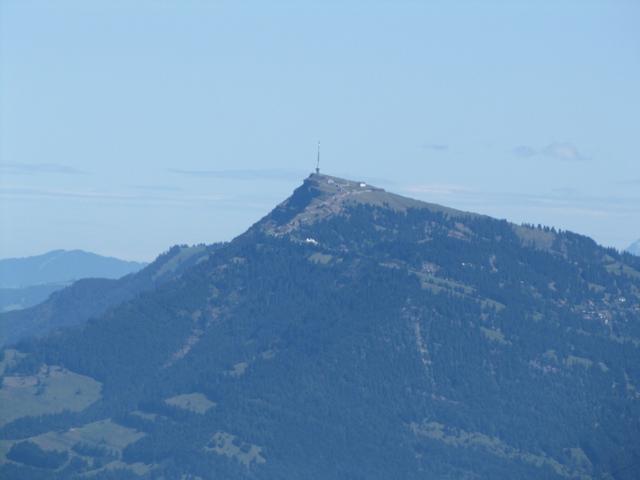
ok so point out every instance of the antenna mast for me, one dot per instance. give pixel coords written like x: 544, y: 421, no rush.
x: 318, y: 160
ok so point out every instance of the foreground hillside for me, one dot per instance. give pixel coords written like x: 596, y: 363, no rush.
x: 352, y: 334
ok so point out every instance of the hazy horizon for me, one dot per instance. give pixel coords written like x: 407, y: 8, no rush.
x: 126, y: 128
x: 162, y: 250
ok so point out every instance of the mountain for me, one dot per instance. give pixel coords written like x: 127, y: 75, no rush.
x: 19, y: 298
x: 28, y: 281
x: 350, y: 334
x: 634, y: 248
x: 61, y: 266
x: 91, y: 297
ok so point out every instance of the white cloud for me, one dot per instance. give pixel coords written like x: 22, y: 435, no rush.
x: 563, y: 151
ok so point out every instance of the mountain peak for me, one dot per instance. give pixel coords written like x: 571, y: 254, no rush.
x: 321, y: 196
x: 388, y: 340
x: 331, y: 185
x: 634, y: 248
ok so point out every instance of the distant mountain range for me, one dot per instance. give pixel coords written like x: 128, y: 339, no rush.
x: 59, y: 266
x: 28, y: 281
x: 349, y: 334
x: 634, y: 248
x: 91, y: 297
x: 18, y: 298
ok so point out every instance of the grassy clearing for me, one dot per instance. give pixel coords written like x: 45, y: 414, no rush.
x: 174, y: 263
x: 195, y: 402
x: 137, y: 468
x: 439, y: 285
x: 103, y: 433
x: 617, y: 268
x: 478, y: 441
x: 532, y: 237
x: 9, y: 359
x: 223, y: 443
x: 495, y: 335
x: 145, y: 415
x: 106, y: 435
x: 52, y: 390
x: 573, y: 361
x: 320, y: 258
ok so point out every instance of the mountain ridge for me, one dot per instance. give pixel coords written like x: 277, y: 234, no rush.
x: 634, y: 248
x: 396, y: 343
x: 60, y: 266
x: 322, y: 195
x: 91, y: 297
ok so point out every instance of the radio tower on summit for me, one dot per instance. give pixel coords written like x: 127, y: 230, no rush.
x: 318, y: 160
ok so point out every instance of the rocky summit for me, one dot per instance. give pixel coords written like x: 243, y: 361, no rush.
x: 350, y: 334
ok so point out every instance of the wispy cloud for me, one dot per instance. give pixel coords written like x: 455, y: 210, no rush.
x: 38, y: 168
x: 565, y: 200
x: 244, y: 174
x: 437, y: 189
x: 631, y: 181
x: 562, y: 151
x: 17, y: 192
x: 524, y: 151
x: 157, y: 188
x: 436, y: 147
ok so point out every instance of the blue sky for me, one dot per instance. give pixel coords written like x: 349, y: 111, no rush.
x: 127, y: 127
